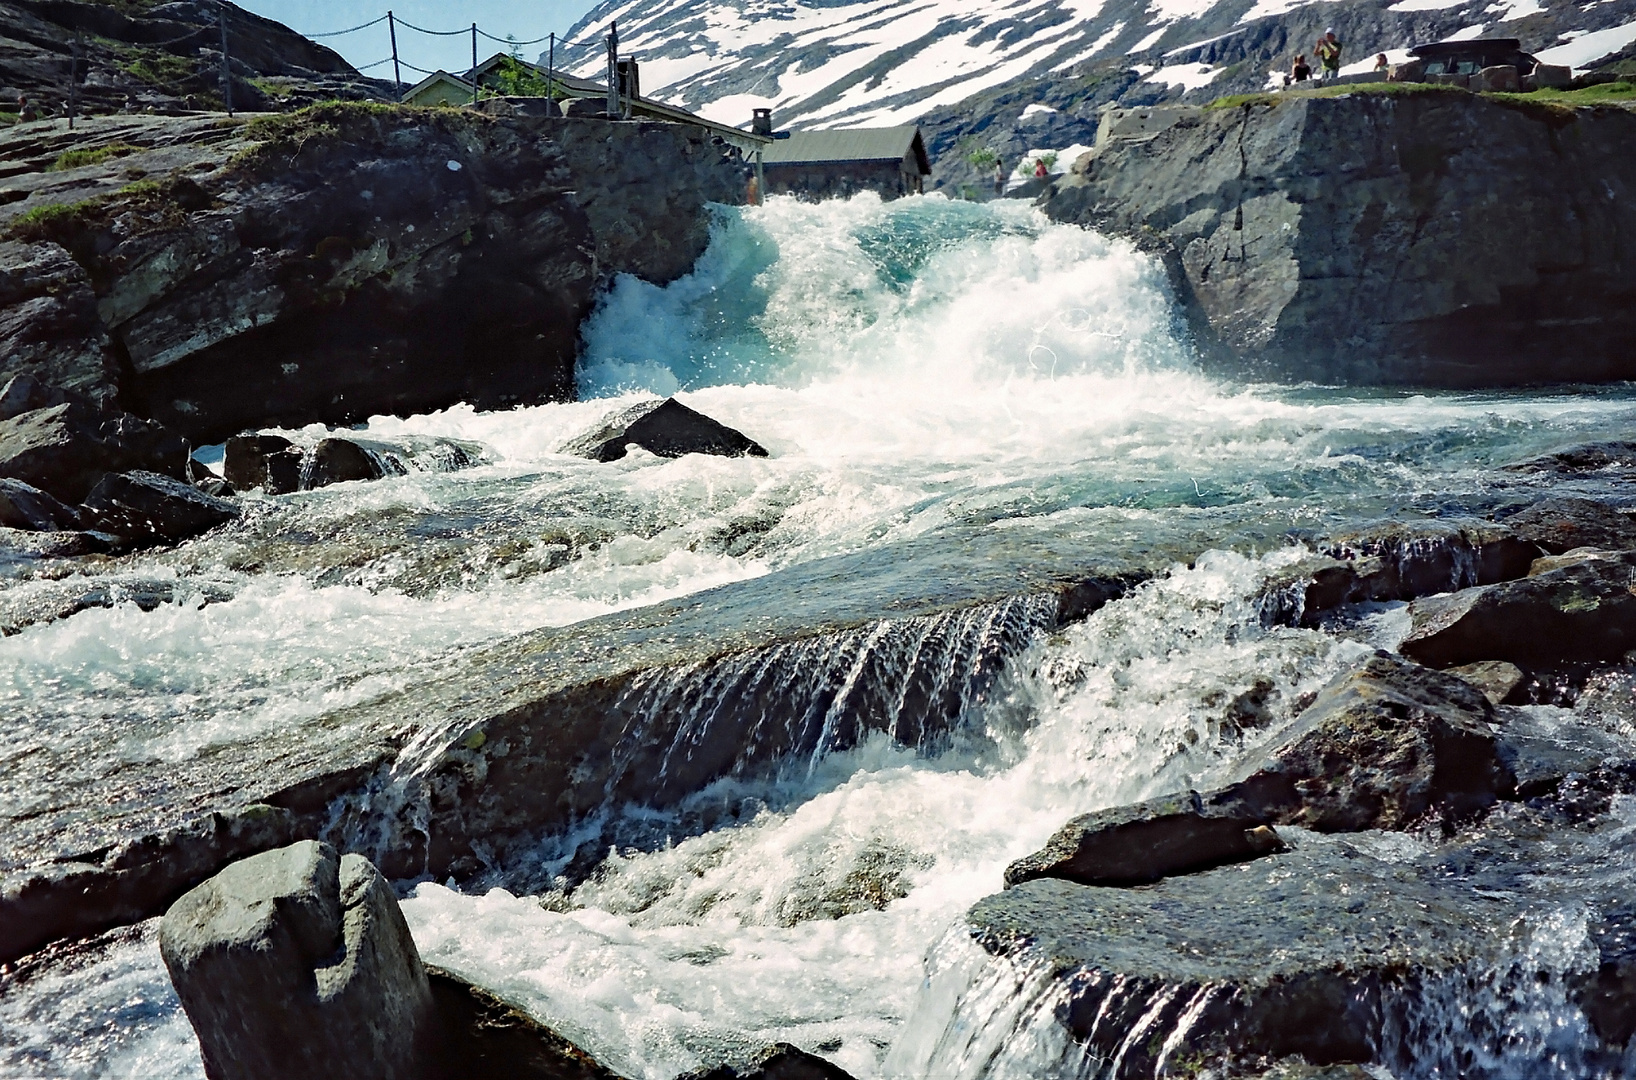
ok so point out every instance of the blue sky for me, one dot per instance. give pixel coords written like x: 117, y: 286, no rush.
x: 521, y: 19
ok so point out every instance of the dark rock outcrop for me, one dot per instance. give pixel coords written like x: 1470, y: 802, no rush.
x: 147, y: 507
x: 1403, y: 560
x: 666, y: 428
x: 1498, y: 680
x: 1580, y: 458
x: 49, y: 329
x: 1579, y: 614
x: 25, y: 507
x: 780, y: 1061
x: 67, y: 449
x: 1428, y: 238
x: 164, y: 57
x: 269, y: 462
x: 1133, y: 845
x: 296, y: 962
x: 485, y: 1036
x: 1381, y: 747
x: 248, y: 289
x: 337, y: 461
x: 1560, y: 525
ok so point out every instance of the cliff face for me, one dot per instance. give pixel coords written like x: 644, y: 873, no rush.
x: 336, y: 263
x: 143, y: 55
x: 1427, y: 238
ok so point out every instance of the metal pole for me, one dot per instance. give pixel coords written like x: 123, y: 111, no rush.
x: 227, y: 72
x: 397, y: 76
x: 613, y: 71
x: 73, y: 79
x: 551, y: 69
x: 474, y: 63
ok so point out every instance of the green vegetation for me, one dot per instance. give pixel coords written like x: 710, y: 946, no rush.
x: 141, y: 189
x: 972, y: 149
x: 153, y: 66
x: 42, y: 222
x: 74, y: 159
x: 1615, y: 93
x: 1233, y: 101
x: 281, y: 137
x: 513, y: 78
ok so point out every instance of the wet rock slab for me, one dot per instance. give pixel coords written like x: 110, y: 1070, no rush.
x: 1582, y: 613
x: 1323, y: 952
x: 492, y: 746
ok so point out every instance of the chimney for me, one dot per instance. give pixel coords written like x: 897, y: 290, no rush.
x: 761, y: 121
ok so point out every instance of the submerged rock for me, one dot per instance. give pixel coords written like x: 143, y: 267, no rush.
x: 297, y: 963
x: 145, y: 506
x: 66, y: 449
x: 487, y: 1037
x: 1578, y: 614
x: 1584, y: 457
x: 23, y: 506
x: 666, y: 428
x: 780, y: 1061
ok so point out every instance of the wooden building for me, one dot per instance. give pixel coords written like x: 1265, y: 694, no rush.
x: 579, y: 97
x: 835, y: 164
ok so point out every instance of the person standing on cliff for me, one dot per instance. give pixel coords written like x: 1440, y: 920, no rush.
x: 1040, y: 169
x: 1000, y: 177
x: 1328, y: 51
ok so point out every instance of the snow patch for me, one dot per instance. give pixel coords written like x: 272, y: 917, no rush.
x: 1187, y: 76
x: 1036, y: 110
x: 1470, y: 33
x: 1147, y: 42
x: 1585, y: 48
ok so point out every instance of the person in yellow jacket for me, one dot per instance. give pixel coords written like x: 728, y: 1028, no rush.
x: 1328, y: 52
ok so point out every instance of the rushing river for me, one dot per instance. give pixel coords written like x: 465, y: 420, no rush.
x: 911, y: 367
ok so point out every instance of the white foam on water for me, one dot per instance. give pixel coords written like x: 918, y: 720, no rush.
x: 812, y: 924
x: 908, y: 365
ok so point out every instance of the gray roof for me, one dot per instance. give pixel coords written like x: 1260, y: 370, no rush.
x: 849, y: 144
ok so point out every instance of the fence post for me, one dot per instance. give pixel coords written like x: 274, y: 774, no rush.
x: 551, y: 70
x: 397, y: 76
x: 613, y: 71
x: 74, y: 79
x: 227, y: 71
x: 474, y: 64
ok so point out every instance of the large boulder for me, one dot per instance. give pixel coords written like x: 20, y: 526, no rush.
x: 336, y: 461
x: 269, y: 462
x: 666, y: 428
x: 1578, y: 614
x: 23, y: 506
x: 1560, y: 525
x: 1132, y: 845
x: 1402, y: 239
x: 49, y: 326
x: 297, y: 963
x: 148, y: 507
x: 1382, y: 747
x: 25, y: 393
x: 66, y: 449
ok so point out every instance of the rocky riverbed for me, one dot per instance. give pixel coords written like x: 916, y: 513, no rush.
x: 687, y: 755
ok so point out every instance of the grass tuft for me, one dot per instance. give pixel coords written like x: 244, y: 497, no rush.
x: 74, y: 159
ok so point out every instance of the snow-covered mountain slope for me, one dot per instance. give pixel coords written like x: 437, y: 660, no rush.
x: 1012, y: 77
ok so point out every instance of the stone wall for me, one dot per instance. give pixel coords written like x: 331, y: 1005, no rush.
x: 1421, y: 236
